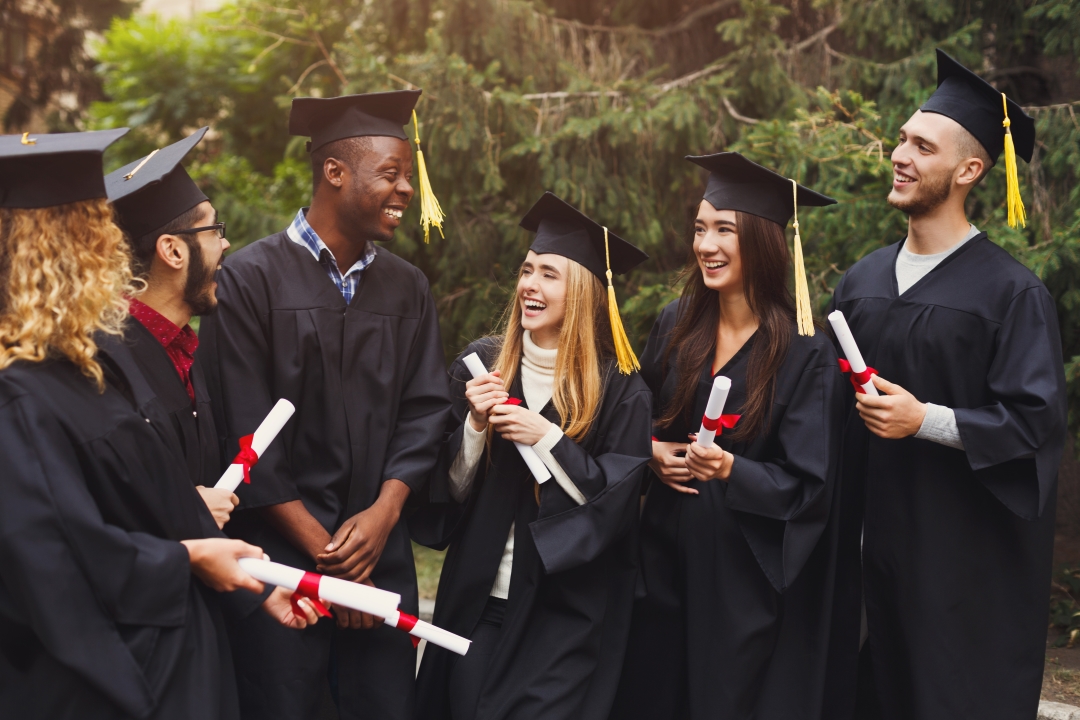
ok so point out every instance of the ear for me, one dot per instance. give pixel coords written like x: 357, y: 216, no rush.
x: 968, y: 172
x: 172, y: 252
x: 334, y: 172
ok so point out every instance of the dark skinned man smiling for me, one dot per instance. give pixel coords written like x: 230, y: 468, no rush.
x: 347, y: 332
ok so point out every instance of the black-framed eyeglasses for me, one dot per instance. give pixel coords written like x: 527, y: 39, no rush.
x: 220, y: 227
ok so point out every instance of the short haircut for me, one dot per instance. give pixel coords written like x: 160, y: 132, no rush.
x: 968, y: 147
x: 144, y: 248
x: 348, y: 150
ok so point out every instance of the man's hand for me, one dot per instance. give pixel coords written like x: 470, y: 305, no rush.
x: 894, y: 415
x: 708, y: 463
x: 669, y: 464
x: 214, y: 561
x: 356, y: 547
x: 220, y: 503
x: 279, y: 607
x: 519, y: 424
x: 355, y: 619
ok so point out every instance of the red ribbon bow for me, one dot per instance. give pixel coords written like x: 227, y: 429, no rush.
x: 857, y: 379
x: 512, y: 401
x: 718, y: 425
x: 246, y: 457
x: 308, y: 588
x: 407, y: 622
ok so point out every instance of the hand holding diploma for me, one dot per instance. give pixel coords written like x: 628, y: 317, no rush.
x: 253, y: 446
x: 536, y: 465
x: 355, y: 596
x: 894, y: 415
x: 705, y: 460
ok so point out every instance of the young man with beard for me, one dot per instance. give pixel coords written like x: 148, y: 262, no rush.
x: 347, y: 331
x: 176, y: 244
x: 958, y: 456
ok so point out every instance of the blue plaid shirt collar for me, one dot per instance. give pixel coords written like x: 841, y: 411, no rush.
x: 302, y: 234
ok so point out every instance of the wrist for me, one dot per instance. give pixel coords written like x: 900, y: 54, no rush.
x: 477, y: 425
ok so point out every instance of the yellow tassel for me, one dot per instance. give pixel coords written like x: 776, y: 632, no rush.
x: 803, y: 312
x: 624, y: 354
x: 431, y: 212
x: 1012, y: 181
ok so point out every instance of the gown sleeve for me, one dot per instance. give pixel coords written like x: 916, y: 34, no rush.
x: 424, y: 405
x: 784, y: 500
x: 609, y: 477
x: 1014, y: 444
x: 234, y: 349
x: 72, y: 577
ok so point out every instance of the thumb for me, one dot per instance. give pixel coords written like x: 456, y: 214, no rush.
x: 245, y: 550
x: 340, y: 537
x: 885, y: 386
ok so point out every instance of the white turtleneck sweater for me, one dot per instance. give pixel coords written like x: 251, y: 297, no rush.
x: 537, y: 381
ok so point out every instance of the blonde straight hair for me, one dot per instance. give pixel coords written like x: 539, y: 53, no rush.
x: 585, y: 346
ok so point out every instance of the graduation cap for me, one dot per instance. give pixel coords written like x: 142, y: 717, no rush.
x: 46, y: 169
x: 564, y: 230
x: 325, y: 120
x: 996, y: 122
x: 736, y: 183
x: 155, y: 190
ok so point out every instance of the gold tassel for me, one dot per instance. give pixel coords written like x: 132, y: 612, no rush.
x: 1012, y: 182
x: 803, y: 312
x: 628, y: 361
x: 431, y: 212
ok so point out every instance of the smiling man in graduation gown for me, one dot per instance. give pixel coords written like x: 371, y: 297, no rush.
x: 347, y: 332
x: 176, y: 244
x: 960, y: 453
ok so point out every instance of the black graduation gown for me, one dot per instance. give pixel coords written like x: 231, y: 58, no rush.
x: 193, y: 424
x: 369, y: 384
x: 561, y: 645
x: 736, y: 616
x: 958, y: 543
x: 100, y: 616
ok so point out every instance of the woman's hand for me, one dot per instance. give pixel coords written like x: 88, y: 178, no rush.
x: 220, y: 503
x: 708, y: 463
x: 670, y: 466
x: 483, y: 394
x: 516, y: 423
x: 279, y: 607
x: 213, y: 560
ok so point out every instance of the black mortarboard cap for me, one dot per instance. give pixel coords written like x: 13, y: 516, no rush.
x: 976, y: 105
x: 564, y: 230
x: 155, y: 190
x: 736, y: 183
x: 46, y: 169
x: 325, y: 120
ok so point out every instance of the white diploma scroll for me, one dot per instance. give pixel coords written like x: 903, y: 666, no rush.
x: 851, y: 350
x: 427, y: 631
x: 268, y: 430
x: 714, y: 409
x: 536, y: 465
x: 354, y: 596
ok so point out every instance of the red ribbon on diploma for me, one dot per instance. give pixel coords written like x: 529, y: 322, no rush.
x: 857, y: 379
x: 718, y: 425
x: 512, y: 401
x: 407, y: 622
x: 308, y: 588
x: 247, y: 457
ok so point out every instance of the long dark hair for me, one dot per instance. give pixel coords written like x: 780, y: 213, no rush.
x: 765, y: 261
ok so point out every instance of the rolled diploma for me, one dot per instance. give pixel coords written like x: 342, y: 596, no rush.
x: 268, y: 430
x: 536, y: 465
x: 433, y: 634
x: 851, y: 350
x: 714, y: 409
x: 354, y: 596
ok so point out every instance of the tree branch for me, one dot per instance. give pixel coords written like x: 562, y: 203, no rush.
x: 735, y: 113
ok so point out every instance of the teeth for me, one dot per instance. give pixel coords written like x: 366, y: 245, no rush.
x: 714, y: 264
x: 391, y: 212
x: 534, y: 305
x: 897, y: 177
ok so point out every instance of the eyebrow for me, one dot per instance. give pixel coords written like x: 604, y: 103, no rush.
x: 720, y: 223
x: 919, y: 139
x: 529, y: 265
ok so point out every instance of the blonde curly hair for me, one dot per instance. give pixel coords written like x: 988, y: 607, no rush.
x: 64, y: 274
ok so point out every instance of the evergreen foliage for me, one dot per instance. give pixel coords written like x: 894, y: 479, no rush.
x: 598, y: 101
